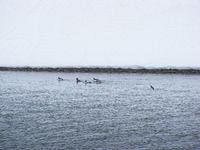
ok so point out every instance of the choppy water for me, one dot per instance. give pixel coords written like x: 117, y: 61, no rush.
x: 38, y: 112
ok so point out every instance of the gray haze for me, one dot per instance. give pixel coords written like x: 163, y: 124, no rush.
x: 99, y: 32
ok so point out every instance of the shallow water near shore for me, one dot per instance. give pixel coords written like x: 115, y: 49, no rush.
x: 39, y: 112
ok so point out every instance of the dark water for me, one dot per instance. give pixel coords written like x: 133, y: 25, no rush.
x: 38, y: 112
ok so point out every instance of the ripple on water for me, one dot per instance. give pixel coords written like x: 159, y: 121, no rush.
x: 37, y: 112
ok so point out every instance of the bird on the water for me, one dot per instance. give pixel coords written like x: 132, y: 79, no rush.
x: 87, y: 82
x: 97, y: 80
x: 78, y: 80
x: 152, y: 87
x: 60, y: 79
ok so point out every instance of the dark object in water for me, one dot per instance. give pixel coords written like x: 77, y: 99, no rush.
x: 78, y: 80
x: 60, y: 79
x: 97, y: 80
x: 87, y: 82
x: 152, y: 87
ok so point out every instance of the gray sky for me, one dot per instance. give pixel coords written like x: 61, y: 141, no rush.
x: 100, y: 32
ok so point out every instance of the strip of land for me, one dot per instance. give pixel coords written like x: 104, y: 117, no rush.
x: 101, y: 70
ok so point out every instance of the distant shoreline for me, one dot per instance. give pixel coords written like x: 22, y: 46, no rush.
x: 101, y: 70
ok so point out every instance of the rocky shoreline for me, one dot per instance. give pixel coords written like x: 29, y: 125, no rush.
x: 102, y: 70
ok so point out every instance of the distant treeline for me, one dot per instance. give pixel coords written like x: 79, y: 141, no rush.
x: 102, y: 70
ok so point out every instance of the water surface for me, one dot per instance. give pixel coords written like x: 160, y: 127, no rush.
x: 38, y: 112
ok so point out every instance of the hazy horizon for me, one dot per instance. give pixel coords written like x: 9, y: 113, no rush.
x: 147, y: 33
x: 98, y: 66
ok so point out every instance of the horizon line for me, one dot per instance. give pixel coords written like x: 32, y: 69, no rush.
x: 104, y: 70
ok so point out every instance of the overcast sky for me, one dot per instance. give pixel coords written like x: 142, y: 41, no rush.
x: 100, y: 32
